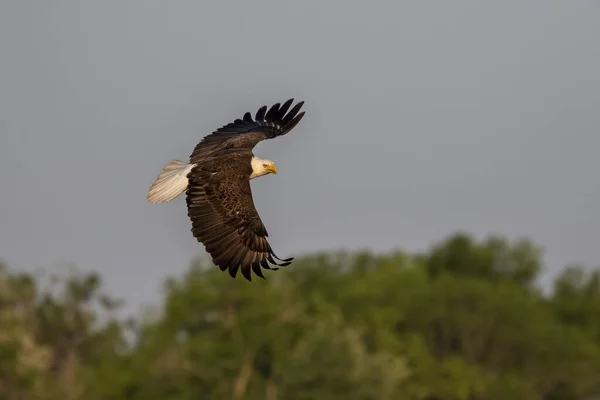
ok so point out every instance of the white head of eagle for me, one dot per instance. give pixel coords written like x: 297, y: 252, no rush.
x: 262, y: 167
x: 216, y: 181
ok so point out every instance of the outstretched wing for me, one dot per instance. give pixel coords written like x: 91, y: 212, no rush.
x: 245, y: 133
x: 224, y: 218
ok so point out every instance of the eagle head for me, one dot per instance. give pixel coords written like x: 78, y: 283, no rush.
x: 262, y: 167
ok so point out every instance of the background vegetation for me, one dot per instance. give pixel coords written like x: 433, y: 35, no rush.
x: 464, y: 321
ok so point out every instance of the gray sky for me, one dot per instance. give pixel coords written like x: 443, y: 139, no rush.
x: 421, y: 119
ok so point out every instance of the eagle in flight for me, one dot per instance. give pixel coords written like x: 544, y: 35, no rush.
x: 218, y: 195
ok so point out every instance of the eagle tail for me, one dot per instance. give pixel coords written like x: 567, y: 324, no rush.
x: 170, y: 183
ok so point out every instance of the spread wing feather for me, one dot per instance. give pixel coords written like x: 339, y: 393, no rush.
x: 219, y: 197
x: 247, y: 132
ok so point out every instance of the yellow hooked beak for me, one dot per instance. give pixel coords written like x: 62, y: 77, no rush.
x: 272, y: 168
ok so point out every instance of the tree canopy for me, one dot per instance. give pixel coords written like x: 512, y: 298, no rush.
x: 461, y: 321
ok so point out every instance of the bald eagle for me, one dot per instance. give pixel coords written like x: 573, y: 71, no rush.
x: 218, y: 195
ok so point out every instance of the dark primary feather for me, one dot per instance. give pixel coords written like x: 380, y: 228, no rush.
x: 219, y: 197
x: 247, y: 132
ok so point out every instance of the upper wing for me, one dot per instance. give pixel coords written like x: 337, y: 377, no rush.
x: 247, y: 132
x: 225, y: 219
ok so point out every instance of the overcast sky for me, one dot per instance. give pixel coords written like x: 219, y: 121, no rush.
x: 422, y: 119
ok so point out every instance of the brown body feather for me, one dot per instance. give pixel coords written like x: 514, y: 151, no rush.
x: 219, y: 197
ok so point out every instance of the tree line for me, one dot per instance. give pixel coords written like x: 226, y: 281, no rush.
x: 464, y: 320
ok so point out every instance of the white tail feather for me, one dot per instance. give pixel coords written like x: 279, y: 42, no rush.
x: 170, y: 183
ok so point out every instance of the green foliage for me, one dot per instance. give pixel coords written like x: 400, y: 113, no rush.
x: 463, y: 321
